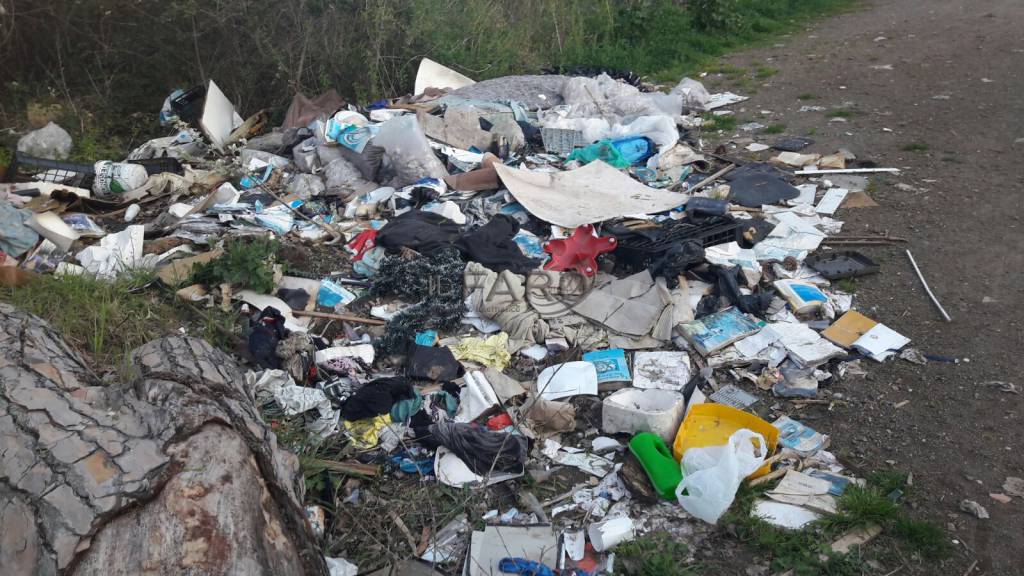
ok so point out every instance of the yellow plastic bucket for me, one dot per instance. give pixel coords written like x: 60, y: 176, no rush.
x: 712, y: 424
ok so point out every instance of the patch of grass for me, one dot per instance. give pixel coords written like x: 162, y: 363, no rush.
x: 915, y: 147
x: 841, y: 113
x: 654, y: 555
x: 765, y: 72
x: 808, y: 551
x: 866, y: 505
x: 246, y: 263
x: 812, y: 131
x: 724, y: 123
x: 848, y: 285
x: 105, y: 320
x: 923, y: 537
x: 806, y: 96
x: 725, y: 69
x: 774, y: 129
x: 888, y: 480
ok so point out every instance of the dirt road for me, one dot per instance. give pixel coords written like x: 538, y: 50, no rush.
x: 938, y: 90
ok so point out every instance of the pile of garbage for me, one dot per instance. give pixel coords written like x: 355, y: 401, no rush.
x: 543, y: 275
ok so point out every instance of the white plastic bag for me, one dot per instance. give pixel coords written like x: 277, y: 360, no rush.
x: 408, y: 151
x: 693, y: 93
x: 711, y: 475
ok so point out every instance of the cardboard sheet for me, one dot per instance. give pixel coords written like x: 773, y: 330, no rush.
x: 178, y: 271
x: 633, y: 305
x: 487, y: 548
x: 593, y: 193
x: 434, y: 75
x: 219, y: 116
x: 848, y: 328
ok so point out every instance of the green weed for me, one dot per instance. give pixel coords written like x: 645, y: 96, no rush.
x: 765, y: 72
x: 841, y: 113
x: 848, y: 285
x: 806, y: 96
x: 915, y: 147
x: 923, y: 537
x: 888, y: 480
x: 725, y: 123
x: 860, y: 506
x: 246, y: 263
x: 774, y: 129
x: 653, y: 555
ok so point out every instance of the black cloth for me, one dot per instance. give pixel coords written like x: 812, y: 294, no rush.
x: 376, y: 398
x: 479, y: 448
x: 266, y: 329
x: 296, y: 298
x: 728, y: 286
x: 433, y: 363
x: 756, y: 190
x: 492, y: 246
x: 424, y: 232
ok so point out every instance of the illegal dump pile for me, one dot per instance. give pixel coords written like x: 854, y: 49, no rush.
x: 540, y: 276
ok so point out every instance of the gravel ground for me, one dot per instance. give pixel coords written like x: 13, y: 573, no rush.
x: 947, y: 76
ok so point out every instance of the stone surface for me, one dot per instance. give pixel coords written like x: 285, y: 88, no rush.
x: 172, y: 473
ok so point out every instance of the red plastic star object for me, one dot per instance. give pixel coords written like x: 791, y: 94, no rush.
x: 578, y: 251
x: 362, y: 243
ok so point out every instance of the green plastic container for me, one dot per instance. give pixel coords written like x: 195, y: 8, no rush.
x: 656, y: 458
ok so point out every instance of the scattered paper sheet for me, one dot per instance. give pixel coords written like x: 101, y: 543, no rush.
x: 723, y: 99
x: 590, y: 463
x: 593, y: 193
x: 880, y: 342
x: 661, y: 370
x: 783, y: 515
x: 831, y: 201
x: 800, y: 489
x: 565, y: 380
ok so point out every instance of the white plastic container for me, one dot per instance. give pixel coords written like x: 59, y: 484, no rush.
x: 117, y: 177
x: 609, y: 533
x: 635, y: 410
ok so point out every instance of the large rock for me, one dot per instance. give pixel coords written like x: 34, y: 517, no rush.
x: 50, y: 141
x: 173, y: 473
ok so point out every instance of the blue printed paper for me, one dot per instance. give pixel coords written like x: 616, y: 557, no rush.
x: 611, y: 365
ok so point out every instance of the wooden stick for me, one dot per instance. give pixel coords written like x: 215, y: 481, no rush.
x: 404, y: 529
x: 710, y: 179
x: 335, y: 235
x: 927, y: 289
x: 345, y: 317
x: 847, y: 171
x: 351, y: 468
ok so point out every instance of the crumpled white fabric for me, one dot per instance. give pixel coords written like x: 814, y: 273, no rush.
x: 295, y: 399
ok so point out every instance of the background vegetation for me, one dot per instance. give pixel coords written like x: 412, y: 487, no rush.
x: 110, y: 63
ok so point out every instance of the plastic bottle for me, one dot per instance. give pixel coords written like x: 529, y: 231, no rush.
x: 656, y: 458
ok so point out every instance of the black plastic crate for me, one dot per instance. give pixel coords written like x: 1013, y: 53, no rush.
x: 28, y: 168
x: 639, y: 248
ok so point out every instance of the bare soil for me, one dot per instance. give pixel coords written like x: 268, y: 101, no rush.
x: 956, y: 86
